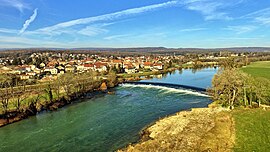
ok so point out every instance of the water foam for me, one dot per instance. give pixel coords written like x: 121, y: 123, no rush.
x: 166, y: 89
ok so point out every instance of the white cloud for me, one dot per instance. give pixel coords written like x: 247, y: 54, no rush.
x: 116, y: 36
x: 8, y: 31
x: 208, y: 9
x: 29, y: 21
x: 108, y: 17
x: 261, y: 16
x: 92, y: 31
x: 192, y: 29
x: 241, y: 29
x: 18, y: 4
x: 212, y: 9
x: 89, y: 26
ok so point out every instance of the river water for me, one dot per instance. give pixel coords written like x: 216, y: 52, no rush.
x: 106, y: 122
x: 201, y: 78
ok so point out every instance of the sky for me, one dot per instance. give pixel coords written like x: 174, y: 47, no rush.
x: 134, y: 23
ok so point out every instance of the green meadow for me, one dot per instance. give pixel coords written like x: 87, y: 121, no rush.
x: 258, y: 69
x: 252, y: 130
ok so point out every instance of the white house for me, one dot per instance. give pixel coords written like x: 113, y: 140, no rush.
x: 130, y: 69
x: 52, y: 70
x: 158, y: 66
x: 88, y: 67
x: 100, y: 67
x: 80, y: 68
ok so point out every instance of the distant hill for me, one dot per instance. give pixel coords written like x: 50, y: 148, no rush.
x: 160, y: 50
x: 151, y: 49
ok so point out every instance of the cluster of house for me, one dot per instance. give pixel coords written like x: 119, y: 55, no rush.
x: 57, y: 67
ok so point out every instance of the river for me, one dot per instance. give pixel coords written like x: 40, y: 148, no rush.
x: 106, y: 122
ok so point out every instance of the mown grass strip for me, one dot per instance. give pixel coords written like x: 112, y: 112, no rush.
x: 252, y: 130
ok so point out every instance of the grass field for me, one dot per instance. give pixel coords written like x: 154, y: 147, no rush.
x: 258, y: 69
x: 252, y: 130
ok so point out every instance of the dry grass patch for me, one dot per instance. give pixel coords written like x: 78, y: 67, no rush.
x: 222, y: 136
x: 203, y: 129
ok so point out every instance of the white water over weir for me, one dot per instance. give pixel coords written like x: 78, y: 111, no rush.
x: 168, y: 87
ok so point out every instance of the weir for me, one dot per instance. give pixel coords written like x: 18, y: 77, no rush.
x: 166, y: 85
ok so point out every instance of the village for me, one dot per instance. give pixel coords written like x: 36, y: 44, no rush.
x: 45, y: 66
x: 55, y: 67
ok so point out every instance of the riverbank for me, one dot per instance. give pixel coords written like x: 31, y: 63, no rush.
x: 201, y: 129
x: 36, y: 108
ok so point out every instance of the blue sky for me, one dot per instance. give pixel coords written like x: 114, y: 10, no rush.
x: 134, y: 23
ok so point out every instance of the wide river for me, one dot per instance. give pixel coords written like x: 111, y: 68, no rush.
x: 106, y: 122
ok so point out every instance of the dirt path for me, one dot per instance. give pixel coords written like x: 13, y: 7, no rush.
x: 203, y: 129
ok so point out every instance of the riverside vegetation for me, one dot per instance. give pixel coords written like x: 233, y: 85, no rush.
x: 20, y: 101
x: 233, y: 87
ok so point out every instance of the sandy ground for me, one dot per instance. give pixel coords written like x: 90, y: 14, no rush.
x: 202, y: 129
